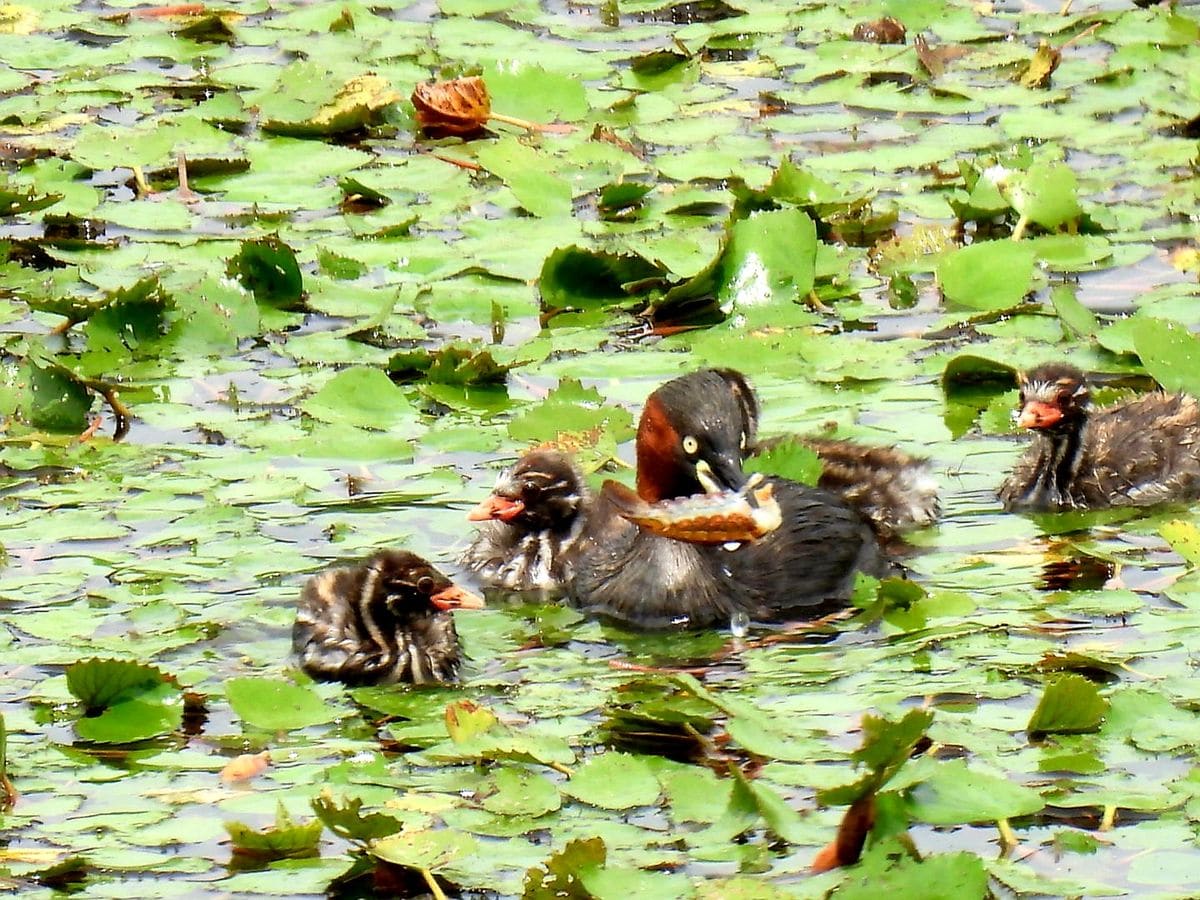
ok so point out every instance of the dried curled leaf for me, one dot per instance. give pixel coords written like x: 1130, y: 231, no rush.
x: 1041, y: 67
x: 933, y: 59
x: 880, y: 31
x: 702, y: 518
x: 460, y: 106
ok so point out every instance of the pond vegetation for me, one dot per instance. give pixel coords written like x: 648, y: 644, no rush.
x: 256, y: 320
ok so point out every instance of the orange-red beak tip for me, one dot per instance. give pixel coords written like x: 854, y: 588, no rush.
x: 455, y: 597
x: 1036, y: 414
x: 496, y: 507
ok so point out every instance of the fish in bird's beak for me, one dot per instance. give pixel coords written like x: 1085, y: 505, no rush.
x: 455, y: 597
x: 720, y: 472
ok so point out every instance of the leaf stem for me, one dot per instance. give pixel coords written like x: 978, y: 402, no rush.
x: 434, y: 887
x: 1109, y: 819
x: 1008, y: 837
x: 1019, y: 230
x: 8, y: 793
x: 553, y: 128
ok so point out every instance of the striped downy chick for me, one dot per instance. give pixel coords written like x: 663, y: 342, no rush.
x: 530, y: 527
x: 1136, y: 453
x: 387, y: 620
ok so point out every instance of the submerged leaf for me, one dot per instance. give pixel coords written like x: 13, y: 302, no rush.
x: 348, y: 821
x: 283, y: 840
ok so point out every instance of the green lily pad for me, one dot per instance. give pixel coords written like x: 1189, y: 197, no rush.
x: 365, y: 398
x: 1169, y: 353
x: 1046, y: 193
x: 58, y: 400
x: 267, y: 267
x: 347, y: 820
x: 578, y: 278
x: 99, y: 683
x: 614, y: 781
x: 273, y: 704
x: 990, y: 276
x: 955, y: 794
x: 790, y: 459
x: 428, y: 850
x: 1071, y: 704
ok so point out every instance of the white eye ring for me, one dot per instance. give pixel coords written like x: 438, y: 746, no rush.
x: 690, y: 445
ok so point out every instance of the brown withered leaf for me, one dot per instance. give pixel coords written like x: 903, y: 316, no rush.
x: 846, y: 848
x: 882, y: 31
x: 1041, y: 67
x: 608, y: 136
x: 933, y: 59
x: 460, y: 106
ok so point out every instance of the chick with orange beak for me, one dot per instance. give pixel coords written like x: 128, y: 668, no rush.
x: 1136, y: 453
x: 531, y: 526
x: 381, y: 622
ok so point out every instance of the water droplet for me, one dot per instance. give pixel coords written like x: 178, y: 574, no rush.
x: 739, y: 624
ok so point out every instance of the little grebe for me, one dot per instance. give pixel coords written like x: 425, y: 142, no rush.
x: 533, y: 521
x: 894, y: 490
x: 385, y: 621
x: 1135, y: 453
x: 691, y: 437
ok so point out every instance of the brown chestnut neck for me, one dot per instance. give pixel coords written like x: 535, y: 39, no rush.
x: 659, y: 475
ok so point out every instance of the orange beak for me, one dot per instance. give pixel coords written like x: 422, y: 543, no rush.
x: 496, y: 507
x: 1037, y: 414
x: 455, y: 597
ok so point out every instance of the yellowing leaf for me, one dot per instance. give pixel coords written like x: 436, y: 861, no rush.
x: 17, y: 19
x: 359, y: 102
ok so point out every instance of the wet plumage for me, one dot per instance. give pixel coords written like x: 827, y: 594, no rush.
x: 531, y: 525
x: 691, y: 437
x: 1136, y: 453
x: 387, y: 620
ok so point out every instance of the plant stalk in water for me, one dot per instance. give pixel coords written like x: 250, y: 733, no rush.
x: 8, y: 793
